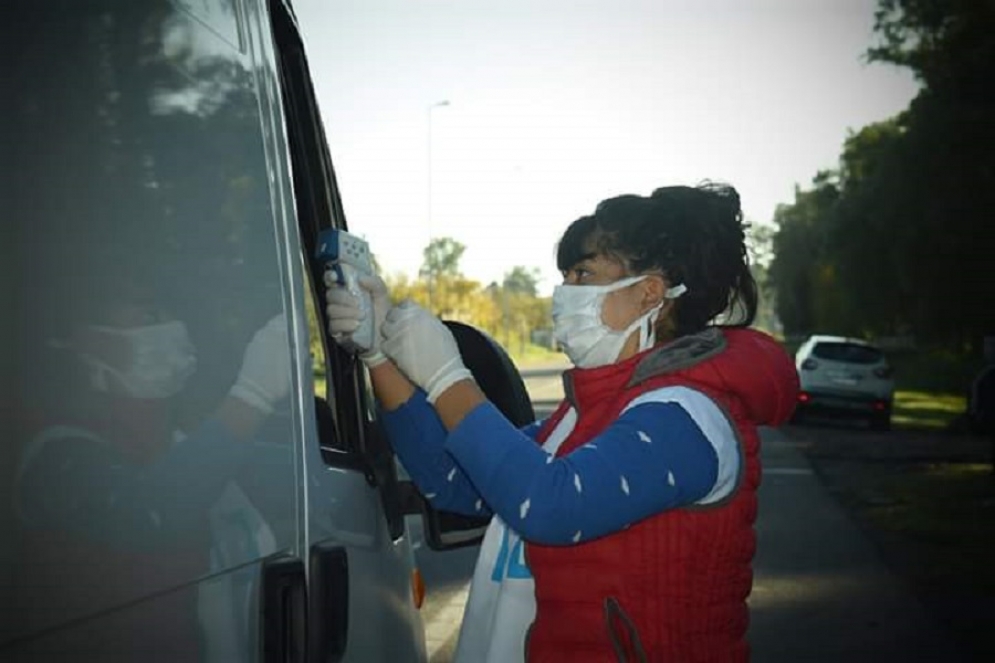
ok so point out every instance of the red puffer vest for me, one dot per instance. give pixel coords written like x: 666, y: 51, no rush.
x: 671, y: 588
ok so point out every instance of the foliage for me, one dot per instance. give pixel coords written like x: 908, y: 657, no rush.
x: 441, y: 258
x: 760, y: 244
x: 522, y: 280
x: 947, y: 44
x: 799, y: 269
x: 509, y: 312
x: 898, y: 238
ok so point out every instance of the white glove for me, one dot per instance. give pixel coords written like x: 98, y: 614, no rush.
x: 423, y: 348
x: 264, y: 377
x: 345, y: 313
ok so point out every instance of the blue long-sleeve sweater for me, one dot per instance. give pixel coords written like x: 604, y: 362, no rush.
x: 654, y: 457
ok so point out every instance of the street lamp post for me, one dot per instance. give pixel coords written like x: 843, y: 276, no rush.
x: 431, y: 275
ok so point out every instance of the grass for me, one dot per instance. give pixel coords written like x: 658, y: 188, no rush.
x: 534, y: 355
x: 927, y: 410
x: 931, y: 387
x: 949, y: 509
x: 940, y: 519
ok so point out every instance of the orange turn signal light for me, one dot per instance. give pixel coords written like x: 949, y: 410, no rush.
x: 417, y: 588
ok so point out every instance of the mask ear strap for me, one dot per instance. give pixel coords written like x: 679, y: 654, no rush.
x: 647, y: 330
x: 647, y: 334
x: 675, y: 292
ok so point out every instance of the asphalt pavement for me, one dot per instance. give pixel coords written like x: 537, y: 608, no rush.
x: 821, y: 592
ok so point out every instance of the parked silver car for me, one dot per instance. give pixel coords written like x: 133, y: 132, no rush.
x: 841, y: 375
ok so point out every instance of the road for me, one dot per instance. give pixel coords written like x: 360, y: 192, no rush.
x: 821, y: 593
x: 447, y: 577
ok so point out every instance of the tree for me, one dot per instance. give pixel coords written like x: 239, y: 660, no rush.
x: 948, y: 44
x: 870, y: 233
x: 899, y: 238
x: 943, y: 171
x: 441, y: 257
x: 760, y: 246
x: 523, y: 280
x: 509, y: 313
x: 799, y: 270
x: 443, y: 288
x: 521, y: 310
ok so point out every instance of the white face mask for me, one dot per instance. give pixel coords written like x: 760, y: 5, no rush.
x: 580, y: 330
x: 162, y: 358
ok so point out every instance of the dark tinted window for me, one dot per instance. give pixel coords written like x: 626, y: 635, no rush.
x: 851, y: 353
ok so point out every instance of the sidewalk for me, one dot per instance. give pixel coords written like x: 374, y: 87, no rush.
x: 821, y: 592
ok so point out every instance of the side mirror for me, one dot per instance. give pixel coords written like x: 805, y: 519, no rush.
x: 500, y: 381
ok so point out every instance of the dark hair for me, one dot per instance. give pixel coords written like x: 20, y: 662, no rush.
x: 694, y: 235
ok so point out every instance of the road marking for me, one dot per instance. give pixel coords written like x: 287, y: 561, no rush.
x: 788, y: 471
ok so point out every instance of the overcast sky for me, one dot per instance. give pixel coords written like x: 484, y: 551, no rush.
x: 555, y: 105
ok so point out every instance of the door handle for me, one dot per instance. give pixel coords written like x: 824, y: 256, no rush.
x: 329, y: 610
x: 283, y: 610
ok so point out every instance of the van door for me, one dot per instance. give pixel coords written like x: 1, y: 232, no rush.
x: 149, y: 512
x: 362, y: 599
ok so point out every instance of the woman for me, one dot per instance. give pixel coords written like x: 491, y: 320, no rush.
x: 623, y: 524
x: 109, y: 481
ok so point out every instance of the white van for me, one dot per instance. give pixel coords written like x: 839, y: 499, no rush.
x: 189, y: 469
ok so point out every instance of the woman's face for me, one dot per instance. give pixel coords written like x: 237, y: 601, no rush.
x: 109, y: 348
x: 623, y: 306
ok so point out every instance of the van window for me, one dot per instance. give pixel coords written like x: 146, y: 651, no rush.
x: 316, y: 344
x: 850, y: 353
x: 357, y: 442
x: 144, y: 270
x: 318, y: 207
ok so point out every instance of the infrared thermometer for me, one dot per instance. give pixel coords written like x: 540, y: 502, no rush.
x: 348, y: 257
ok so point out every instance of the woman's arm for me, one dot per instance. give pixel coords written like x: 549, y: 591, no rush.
x: 456, y: 402
x: 653, y: 458
x: 390, y: 385
x: 418, y: 436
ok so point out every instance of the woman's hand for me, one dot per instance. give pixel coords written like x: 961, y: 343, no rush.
x: 345, y: 313
x: 423, y: 348
x: 264, y: 378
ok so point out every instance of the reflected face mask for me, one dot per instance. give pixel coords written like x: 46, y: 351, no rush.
x: 162, y: 359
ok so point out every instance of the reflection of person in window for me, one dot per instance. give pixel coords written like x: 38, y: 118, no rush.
x: 108, y: 479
